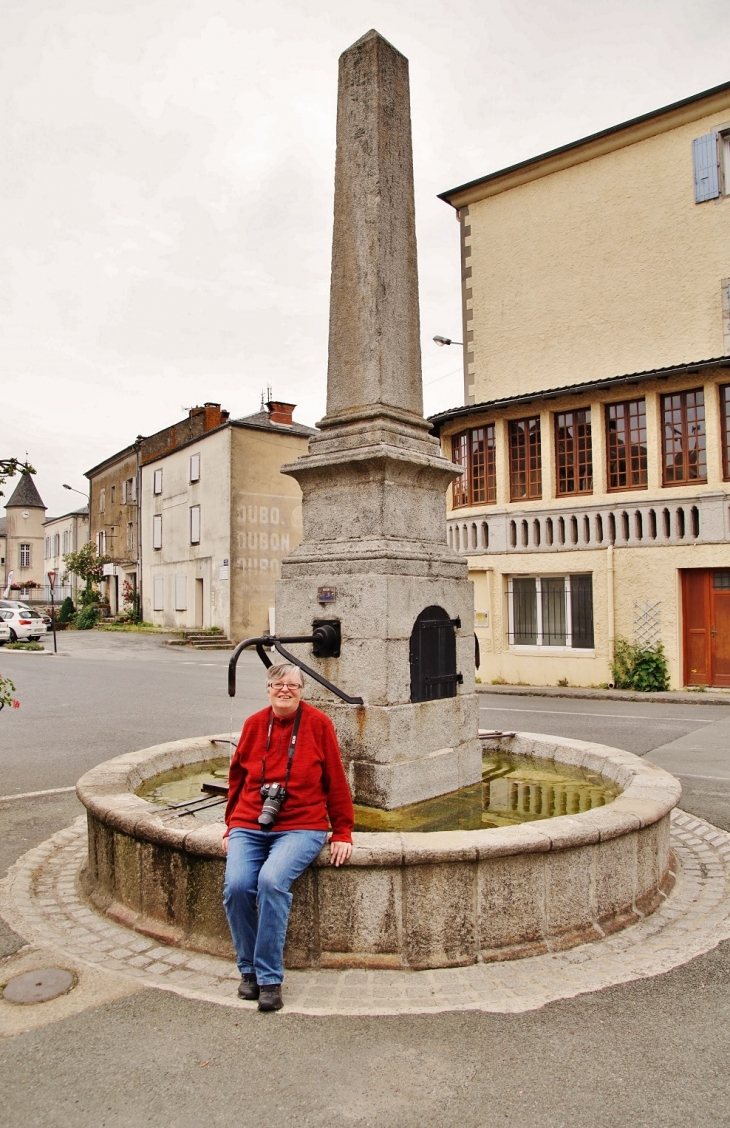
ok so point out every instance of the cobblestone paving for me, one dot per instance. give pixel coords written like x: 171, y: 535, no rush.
x: 39, y: 898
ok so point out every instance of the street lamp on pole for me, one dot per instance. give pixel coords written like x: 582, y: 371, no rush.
x: 87, y: 496
x: 441, y: 341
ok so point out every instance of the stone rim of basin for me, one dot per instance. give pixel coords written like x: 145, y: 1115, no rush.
x: 648, y: 793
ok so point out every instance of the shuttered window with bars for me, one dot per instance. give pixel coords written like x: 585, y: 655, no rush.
x: 551, y: 611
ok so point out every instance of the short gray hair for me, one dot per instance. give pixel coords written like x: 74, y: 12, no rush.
x: 274, y: 673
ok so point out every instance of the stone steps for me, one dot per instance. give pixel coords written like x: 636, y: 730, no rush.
x: 202, y: 640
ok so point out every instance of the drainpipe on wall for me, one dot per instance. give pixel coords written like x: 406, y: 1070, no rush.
x: 609, y: 593
x: 138, y: 481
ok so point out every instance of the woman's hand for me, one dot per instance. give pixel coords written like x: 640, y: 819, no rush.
x: 225, y: 845
x: 340, y: 853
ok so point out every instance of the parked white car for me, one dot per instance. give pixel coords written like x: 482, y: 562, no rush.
x: 23, y: 623
x: 4, y: 632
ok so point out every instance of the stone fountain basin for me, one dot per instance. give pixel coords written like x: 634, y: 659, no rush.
x: 405, y: 900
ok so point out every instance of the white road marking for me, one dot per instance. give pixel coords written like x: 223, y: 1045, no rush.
x: 570, y: 713
x: 34, y: 794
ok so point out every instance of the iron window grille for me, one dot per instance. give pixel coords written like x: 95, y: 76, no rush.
x: 525, y: 459
x: 551, y: 611
x: 475, y: 450
x: 573, y: 452
x: 683, y: 434
x: 725, y: 410
x: 626, y: 445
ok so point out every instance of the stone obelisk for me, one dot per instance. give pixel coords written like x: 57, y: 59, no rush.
x: 374, y: 480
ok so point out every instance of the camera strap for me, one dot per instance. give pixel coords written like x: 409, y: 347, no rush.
x: 292, y: 746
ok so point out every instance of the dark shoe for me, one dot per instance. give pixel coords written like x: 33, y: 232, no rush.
x: 270, y: 997
x: 248, y: 988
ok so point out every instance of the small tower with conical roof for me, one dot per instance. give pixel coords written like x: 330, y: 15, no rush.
x: 25, y: 516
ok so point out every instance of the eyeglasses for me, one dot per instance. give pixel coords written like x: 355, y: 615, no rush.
x: 293, y: 686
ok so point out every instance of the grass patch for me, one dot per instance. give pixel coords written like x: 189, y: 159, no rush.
x: 23, y: 646
x: 131, y: 628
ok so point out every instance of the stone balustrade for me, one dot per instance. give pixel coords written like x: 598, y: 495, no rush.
x: 691, y: 519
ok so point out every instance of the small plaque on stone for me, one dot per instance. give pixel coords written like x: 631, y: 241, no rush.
x: 326, y: 594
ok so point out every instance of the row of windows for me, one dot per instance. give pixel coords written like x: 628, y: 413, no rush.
x: 105, y: 542
x: 684, y: 450
x: 194, y: 527
x: 180, y: 592
x: 57, y: 544
x: 194, y: 474
x: 129, y: 494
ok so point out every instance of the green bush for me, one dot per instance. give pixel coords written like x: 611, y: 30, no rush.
x: 87, y: 617
x: 642, y: 668
x: 67, y: 612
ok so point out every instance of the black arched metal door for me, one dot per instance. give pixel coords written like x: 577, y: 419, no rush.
x: 433, y: 656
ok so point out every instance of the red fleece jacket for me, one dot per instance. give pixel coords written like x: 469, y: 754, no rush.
x: 317, y: 784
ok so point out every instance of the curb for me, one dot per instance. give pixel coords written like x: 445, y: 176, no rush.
x: 670, y: 698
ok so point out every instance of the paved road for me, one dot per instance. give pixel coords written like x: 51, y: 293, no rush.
x: 106, y: 694
x: 652, y: 1053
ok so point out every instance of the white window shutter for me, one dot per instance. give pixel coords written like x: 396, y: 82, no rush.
x: 157, y: 485
x: 706, y: 168
x: 157, y: 530
x: 134, y: 488
x: 124, y: 493
x: 181, y: 602
x: 194, y: 467
x: 195, y: 524
x: 159, y: 594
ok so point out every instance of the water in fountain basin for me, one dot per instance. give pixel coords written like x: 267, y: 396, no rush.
x: 513, y: 790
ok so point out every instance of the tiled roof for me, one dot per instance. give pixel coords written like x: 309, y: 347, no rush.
x: 261, y: 421
x: 25, y: 495
x: 442, y: 417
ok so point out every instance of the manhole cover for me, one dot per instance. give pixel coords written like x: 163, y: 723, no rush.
x: 38, y: 986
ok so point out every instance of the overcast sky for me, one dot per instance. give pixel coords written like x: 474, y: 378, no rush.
x: 167, y: 182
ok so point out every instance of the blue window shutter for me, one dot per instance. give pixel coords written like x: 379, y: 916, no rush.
x: 707, y: 172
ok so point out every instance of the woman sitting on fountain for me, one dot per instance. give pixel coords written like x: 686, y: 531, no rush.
x: 270, y: 841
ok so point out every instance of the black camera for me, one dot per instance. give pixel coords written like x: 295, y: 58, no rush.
x: 273, y: 795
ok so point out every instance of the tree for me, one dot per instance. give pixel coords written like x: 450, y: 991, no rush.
x: 89, y: 567
x: 9, y: 467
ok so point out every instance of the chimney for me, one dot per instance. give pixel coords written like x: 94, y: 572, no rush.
x: 212, y: 416
x: 281, y: 412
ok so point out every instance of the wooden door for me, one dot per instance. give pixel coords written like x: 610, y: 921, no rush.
x: 706, y: 610
x: 696, y: 613
x: 720, y: 627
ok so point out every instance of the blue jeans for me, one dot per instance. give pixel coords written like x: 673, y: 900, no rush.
x: 260, y: 869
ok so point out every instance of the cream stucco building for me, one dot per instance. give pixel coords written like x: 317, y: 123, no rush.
x: 22, y: 540
x: 595, y: 436
x: 62, y: 535
x: 217, y: 517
